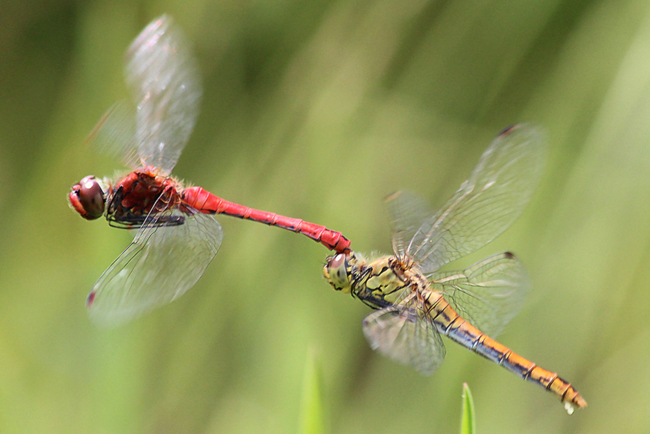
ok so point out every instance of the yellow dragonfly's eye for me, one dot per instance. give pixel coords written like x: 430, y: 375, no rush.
x: 337, y: 272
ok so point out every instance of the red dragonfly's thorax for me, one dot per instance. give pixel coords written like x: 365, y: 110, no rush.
x: 130, y: 199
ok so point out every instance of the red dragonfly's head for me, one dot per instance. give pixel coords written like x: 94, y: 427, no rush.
x: 88, y: 198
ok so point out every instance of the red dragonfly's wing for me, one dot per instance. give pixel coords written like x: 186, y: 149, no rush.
x: 114, y: 135
x: 406, y: 334
x: 166, y: 87
x: 161, y: 264
x: 486, y: 204
x: 488, y: 294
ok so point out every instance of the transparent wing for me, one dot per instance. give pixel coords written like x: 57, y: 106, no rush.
x: 160, y: 265
x: 407, y: 335
x: 166, y: 86
x: 488, y: 294
x: 114, y: 135
x: 487, y: 203
x: 406, y: 212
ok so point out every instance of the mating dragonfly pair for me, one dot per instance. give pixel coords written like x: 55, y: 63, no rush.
x: 177, y: 235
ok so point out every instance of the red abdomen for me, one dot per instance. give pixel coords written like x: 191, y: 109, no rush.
x: 206, y: 202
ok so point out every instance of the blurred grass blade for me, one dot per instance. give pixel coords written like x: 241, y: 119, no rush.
x: 467, y: 421
x: 311, y: 412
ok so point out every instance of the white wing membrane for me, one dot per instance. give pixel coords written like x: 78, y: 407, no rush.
x: 407, y: 335
x: 488, y: 294
x: 114, y: 135
x: 487, y: 203
x: 166, y: 86
x: 406, y: 211
x: 160, y: 265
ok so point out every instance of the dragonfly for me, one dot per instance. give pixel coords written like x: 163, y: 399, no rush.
x: 177, y: 234
x: 415, y: 303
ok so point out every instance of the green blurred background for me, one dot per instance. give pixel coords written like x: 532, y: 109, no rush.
x: 318, y: 109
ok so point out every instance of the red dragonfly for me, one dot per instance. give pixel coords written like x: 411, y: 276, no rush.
x: 177, y: 235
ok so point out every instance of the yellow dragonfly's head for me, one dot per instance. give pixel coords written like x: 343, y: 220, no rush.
x: 338, y: 271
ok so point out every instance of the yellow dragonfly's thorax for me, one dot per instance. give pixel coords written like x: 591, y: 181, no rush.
x: 377, y: 283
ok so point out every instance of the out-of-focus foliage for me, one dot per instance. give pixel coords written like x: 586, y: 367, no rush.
x: 318, y: 109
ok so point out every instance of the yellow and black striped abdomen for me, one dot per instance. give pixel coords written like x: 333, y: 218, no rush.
x: 451, y: 324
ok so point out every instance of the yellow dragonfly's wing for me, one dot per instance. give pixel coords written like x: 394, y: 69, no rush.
x: 488, y: 294
x: 406, y: 212
x: 486, y: 204
x: 407, y: 335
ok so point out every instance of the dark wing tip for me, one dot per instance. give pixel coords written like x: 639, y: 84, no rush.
x: 507, y: 130
x: 392, y: 196
x: 90, y: 299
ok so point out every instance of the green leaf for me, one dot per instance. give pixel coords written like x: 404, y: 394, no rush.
x: 312, y: 403
x: 467, y: 422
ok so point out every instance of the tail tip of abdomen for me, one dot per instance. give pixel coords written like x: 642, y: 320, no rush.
x: 577, y: 401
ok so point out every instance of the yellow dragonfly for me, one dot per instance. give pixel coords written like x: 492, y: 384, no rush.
x: 416, y: 303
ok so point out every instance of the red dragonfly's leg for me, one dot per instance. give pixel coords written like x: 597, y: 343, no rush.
x: 206, y: 202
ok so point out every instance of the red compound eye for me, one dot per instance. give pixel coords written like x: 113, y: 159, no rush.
x: 87, y: 198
